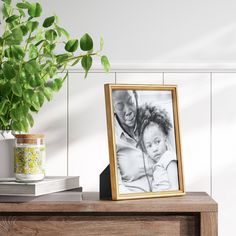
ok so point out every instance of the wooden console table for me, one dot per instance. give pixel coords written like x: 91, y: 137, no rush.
x: 193, y: 214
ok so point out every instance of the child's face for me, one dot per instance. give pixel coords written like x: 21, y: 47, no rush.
x: 154, y: 141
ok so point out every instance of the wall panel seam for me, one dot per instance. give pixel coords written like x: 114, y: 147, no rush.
x: 67, y: 128
x: 211, y: 76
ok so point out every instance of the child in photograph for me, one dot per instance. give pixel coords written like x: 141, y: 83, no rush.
x: 154, y: 128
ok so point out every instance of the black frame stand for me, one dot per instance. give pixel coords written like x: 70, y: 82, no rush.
x: 105, y: 184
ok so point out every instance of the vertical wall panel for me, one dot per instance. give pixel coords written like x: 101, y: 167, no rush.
x: 6, y: 157
x: 223, y: 149
x: 194, y: 110
x: 52, y: 121
x: 88, y: 146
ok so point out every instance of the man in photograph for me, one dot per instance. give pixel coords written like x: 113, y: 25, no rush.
x: 134, y: 172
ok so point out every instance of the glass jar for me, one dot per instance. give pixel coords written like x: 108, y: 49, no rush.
x: 29, y: 157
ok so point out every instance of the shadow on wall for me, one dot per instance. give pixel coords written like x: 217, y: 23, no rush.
x: 52, y: 121
x: 87, y: 115
x: 221, y: 107
x: 88, y: 119
x: 195, y: 183
x: 218, y: 107
x: 219, y: 42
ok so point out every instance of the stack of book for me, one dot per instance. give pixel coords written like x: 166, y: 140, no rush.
x: 53, y: 188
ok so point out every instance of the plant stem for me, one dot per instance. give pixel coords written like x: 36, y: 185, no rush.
x: 80, y: 56
x: 27, y: 42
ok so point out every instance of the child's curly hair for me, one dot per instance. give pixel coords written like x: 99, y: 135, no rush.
x: 148, y: 114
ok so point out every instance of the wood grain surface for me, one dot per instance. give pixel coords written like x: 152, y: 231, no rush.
x: 189, y: 215
x: 209, y: 224
x: 99, y: 225
x: 191, y: 202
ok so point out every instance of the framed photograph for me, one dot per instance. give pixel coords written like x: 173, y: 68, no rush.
x: 144, y: 141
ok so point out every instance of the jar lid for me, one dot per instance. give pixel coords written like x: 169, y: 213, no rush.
x: 29, y: 136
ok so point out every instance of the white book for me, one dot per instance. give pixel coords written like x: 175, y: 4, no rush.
x: 50, y: 184
x: 73, y: 195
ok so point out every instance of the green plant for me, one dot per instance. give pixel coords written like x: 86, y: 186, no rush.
x: 30, y: 68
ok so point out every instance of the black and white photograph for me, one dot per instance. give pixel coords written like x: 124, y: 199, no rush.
x: 145, y: 155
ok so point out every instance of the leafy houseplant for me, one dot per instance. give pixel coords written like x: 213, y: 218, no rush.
x: 30, y: 68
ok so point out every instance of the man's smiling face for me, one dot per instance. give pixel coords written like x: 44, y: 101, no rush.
x: 125, y: 107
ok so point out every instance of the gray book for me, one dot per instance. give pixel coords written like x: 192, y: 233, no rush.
x: 51, y: 184
x: 73, y: 195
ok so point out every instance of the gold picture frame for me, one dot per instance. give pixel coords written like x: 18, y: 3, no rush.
x: 150, y: 114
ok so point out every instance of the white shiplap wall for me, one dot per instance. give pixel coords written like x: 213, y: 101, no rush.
x: 75, y: 127
x: 207, y: 116
x: 87, y: 149
x: 224, y: 148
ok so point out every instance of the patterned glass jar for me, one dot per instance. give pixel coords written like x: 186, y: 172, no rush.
x: 29, y: 157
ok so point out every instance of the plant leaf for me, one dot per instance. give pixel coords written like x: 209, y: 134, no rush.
x: 7, y: 2
x: 17, y: 89
x: 6, y: 108
x: 62, y: 57
x: 50, y: 35
x: 33, y: 51
x: 22, y: 13
x: 24, y: 111
x: 65, y: 33
x: 8, y: 71
x: 12, y: 18
x: 17, y: 52
x: 48, y: 93
x: 32, y: 25
x: 23, y: 5
x: 72, y: 45
x: 86, y: 63
x: 35, y: 10
x: 55, y: 84
x: 105, y: 63
x: 27, y: 95
x: 35, y: 101
x: 86, y: 43
x: 30, y: 120
x: 4, y: 120
x: 6, y: 90
x: 24, y: 125
x: 2, y: 106
x: 17, y: 34
x: 15, y: 115
x: 14, y: 38
x: 48, y: 21
x: 35, y: 80
x: 29, y: 67
x: 24, y: 29
x: 58, y: 82
x: 5, y: 10
x: 41, y: 98
x: 8, y: 52
x: 16, y: 126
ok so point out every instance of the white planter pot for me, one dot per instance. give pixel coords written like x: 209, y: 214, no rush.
x: 6, y: 154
